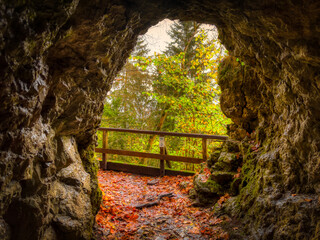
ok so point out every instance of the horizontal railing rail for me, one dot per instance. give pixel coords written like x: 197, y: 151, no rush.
x: 149, y: 155
x: 163, y: 155
x: 192, y: 135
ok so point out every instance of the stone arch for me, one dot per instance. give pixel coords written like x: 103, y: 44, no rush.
x: 58, y: 61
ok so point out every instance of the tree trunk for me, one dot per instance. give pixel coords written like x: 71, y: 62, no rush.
x: 158, y: 128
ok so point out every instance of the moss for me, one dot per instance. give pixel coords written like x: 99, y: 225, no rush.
x: 226, y: 162
x: 231, y: 147
x: 213, y: 158
x: 91, y: 165
x: 214, y: 187
x: 210, y: 186
x: 234, y: 186
x: 250, y: 186
x: 229, y: 67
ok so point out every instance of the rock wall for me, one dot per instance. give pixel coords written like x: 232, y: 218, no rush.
x: 275, y: 94
x: 57, y: 62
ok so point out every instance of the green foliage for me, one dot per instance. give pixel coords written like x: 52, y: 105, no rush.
x: 193, y: 101
x: 91, y: 165
x: 178, y: 88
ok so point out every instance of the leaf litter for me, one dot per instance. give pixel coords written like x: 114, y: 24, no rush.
x: 173, y: 217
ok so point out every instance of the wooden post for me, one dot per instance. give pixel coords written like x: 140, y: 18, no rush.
x: 105, y: 146
x: 204, y: 149
x: 166, y: 153
x: 162, y: 151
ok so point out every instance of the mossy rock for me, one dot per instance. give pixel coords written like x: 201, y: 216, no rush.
x: 91, y: 165
x: 205, y: 192
x: 213, y: 158
x: 234, y: 186
x: 225, y: 162
x: 210, y: 187
x: 222, y: 166
x: 223, y: 178
x: 231, y: 147
x: 227, y: 157
x: 192, y: 193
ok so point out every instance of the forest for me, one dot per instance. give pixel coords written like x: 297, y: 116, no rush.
x: 174, y: 91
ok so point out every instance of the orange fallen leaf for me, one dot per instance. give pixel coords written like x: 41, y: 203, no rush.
x: 122, y: 191
x: 308, y: 200
x: 236, y: 175
x: 194, y: 230
x: 223, y: 198
x: 293, y: 195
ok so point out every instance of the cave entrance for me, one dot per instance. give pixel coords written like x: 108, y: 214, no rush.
x: 169, y: 84
x: 167, y: 88
x: 58, y: 59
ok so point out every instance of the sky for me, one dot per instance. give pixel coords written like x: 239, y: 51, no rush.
x: 157, y: 37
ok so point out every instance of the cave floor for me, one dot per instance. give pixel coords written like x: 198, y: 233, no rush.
x: 174, y: 217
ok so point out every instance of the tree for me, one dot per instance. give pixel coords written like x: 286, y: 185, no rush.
x: 127, y: 105
x: 183, y: 35
x: 169, y: 92
x: 191, y: 102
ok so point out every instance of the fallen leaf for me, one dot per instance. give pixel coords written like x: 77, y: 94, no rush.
x: 308, y: 200
x: 236, y: 175
x: 293, y: 195
x: 194, y: 230
x: 223, y: 198
x: 121, y: 191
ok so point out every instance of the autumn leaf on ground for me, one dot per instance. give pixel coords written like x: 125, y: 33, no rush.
x: 194, y: 230
x: 120, y: 220
x: 223, y: 198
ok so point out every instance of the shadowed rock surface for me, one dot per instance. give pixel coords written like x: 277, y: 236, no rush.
x: 58, y: 60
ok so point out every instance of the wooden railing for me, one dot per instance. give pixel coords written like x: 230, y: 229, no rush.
x: 163, y: 155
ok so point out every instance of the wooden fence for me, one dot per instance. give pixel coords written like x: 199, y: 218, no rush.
x: 162, y: 156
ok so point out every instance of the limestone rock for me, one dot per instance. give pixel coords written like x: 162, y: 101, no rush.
x: 58, y: 60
